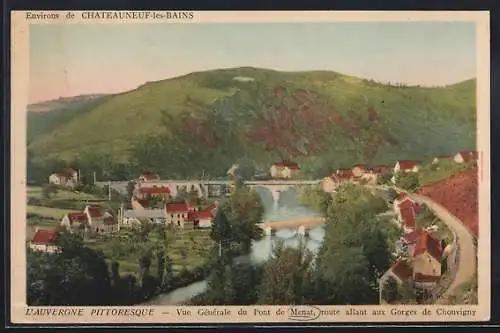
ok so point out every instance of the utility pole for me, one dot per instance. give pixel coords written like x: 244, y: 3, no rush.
x: 109, y: 190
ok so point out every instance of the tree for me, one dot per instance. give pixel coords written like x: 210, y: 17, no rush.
x: 221, y: 228
x: 407, y: 180
x: 244, y: 210
x: 65, y: 278
x: 390, y: 290
x: 286, y: 276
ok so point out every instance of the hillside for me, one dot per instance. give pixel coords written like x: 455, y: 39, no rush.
x: 47, y: 116
x: 459, y: 195
x: 254, y: 116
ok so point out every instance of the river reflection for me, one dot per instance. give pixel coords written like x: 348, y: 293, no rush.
x: 287, y: 208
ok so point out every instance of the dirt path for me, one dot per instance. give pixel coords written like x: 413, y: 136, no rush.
x: 467, y: 257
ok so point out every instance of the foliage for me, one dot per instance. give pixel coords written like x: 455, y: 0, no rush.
x: 431, y: 173
x: 324, y: 120
x: 407, y: 181
x: 355, y: 252
x: 287, y: 276
x: 390, y: 290
x: 315, y: 198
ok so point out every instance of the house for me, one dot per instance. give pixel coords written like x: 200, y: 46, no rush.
x: 426, y: 260
x: 400, y: 271
x: 406, y: 244
x: 44, y: 240
x: 370, y: 176
x: 132, y: 218
x: 465, y: 156
x: 406, y: 166
x: 100, y: 221
x: 153, y: 192
x: 177, y: 213
x: 381, y: 169
x: 399, y: 200
x: 148, y: 176
x: 407, y: 217
x: 284, y: 169
x: 68, y: 178
x: 359, y: 170
x: 74, y: 221
x: 344, y: 174
x: 329, y: 184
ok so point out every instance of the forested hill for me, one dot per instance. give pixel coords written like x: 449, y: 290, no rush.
x: 210, y: 120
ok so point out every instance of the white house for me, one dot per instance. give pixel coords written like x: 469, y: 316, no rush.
x: 67, y: 178
x: 406, y: 166
x: 284, y: 169
x: 133, y: 217
x: 100, y: 221
x: 202, y: 218
x: 465, y: 156
x: 74, y: 221
x: 44, y: 240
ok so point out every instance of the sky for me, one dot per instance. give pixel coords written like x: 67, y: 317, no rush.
x: 69, y: 60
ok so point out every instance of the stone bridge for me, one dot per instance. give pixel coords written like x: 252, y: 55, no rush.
x: 276, y: 187
x: 302, y: 225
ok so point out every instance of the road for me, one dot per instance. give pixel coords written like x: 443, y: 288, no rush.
x: 467, y: 260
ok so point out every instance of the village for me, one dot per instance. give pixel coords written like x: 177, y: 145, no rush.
x: 425, y: 252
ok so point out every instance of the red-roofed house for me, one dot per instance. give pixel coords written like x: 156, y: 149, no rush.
x: 427, y: 256
x: 68, y: 178
x: 400, y: 271
x: 407, y: 218
x: 284, y: 169
x: 399, y: 200
x: 406, y: 166
x: 154, y: 191
x: 465, y: 156
x: 359, y: 170
x: 407, y: 242
x: 177, y: 213
x: 74, y: 221
x: 200, y: 219
x: 148, y: 176
x: 44, y: 240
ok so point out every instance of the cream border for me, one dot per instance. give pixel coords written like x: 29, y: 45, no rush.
x: 19, y: 79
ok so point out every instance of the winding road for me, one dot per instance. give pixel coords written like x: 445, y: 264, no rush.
x: 465, y: 241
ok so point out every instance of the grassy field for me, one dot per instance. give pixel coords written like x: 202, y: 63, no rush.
x: 37, y: 192
x: 186, y: 249
x: 429, y: 173
x: 424, y: 121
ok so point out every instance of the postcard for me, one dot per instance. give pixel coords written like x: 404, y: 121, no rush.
x: 173, y: 167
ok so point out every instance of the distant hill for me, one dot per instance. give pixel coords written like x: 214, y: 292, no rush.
x: 251, y: 116
x: 46, y: 116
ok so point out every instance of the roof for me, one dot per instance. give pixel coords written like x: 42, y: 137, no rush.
x: 44, y: 236
x: 287, y: 164
x: 427, y: 243
x: 94, y: 211
x: 155, y: 190
x: 468, y: 155
x: 77, y: 216
x: 408, y: 216
x: 148, y: 213
x: 177, y: 207
x: 406, y: 203
x: 200, y: 215
x: 413, y: 236
x: 381, y: 169
x: 419, y: 277
x: 150, y: 176
x: 407, y: 164
x: 402, y: 269
x: 344, y: 173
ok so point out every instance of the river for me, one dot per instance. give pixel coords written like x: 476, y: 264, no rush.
x: 288, y: 208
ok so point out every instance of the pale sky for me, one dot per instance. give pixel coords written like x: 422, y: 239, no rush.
x: 69, y: 60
